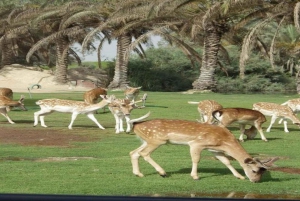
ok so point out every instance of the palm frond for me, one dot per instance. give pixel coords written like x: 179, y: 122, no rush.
x: 52, y: 38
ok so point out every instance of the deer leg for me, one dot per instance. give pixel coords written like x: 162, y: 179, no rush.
x: 226, y: 162
x: 42, y: 118
x: 127, y: 118
x: 258, y: 127
x: 145, y: 153
x: 195, y: 151
x: 280, y: 121
x: 242, y: 129
x: 121, y: 124
x: 134, y: 155
x: 92, y: 117
x: 285, y: 126
x: 74, y: 115
x: 271, y: 123
x: 4, y: 113
x: 40, y: 114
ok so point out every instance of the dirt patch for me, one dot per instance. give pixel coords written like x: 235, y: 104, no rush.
x: 38, y: 137
x: 287, y: 170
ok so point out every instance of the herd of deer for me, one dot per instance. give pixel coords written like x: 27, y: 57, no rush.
x: 209, y: 133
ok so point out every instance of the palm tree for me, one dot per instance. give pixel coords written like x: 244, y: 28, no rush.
x: 59, y: 33
x: 122, y: 27
x: 203, y: 22
x: 281, y: 12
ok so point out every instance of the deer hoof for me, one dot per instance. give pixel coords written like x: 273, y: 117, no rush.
x: 195, y: 177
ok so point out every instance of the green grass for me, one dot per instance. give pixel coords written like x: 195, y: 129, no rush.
x: 108, y: 171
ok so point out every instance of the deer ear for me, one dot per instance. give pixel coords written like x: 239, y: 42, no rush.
x: 249, y: 161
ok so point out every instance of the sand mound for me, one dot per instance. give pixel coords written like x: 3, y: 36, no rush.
x: 21, y: 79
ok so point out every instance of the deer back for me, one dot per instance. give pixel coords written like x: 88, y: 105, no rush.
x: 182, y: 132
x: 6, y: 92
x: 92, y: 96
x: 229, y: 115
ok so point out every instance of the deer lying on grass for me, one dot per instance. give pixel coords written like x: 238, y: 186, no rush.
x: 205, y: 109
x: 6, y: 92
x: 6, y: 104
x: 121, y: 109
x: 276, y: 110
x: 93, y: 96
x: 218, y: 140
x: 243, y: 117
x: 49, y: 106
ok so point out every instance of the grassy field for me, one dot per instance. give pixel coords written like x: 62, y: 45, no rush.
x: 103, y: 165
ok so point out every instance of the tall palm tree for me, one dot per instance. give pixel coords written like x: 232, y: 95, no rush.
x: 59, y: 33
x: 117, y: 25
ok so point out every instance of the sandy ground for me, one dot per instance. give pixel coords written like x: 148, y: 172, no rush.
x: 21, y: 79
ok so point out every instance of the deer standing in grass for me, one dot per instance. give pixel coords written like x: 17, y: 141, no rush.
x: 275, y: 111
x: 243, y: 117
x: 49, y: 106
x: 294, y: 104
x: 93, y: 96
x: 6, y: 104
x: 205, y: 109
x: 198, y: 136
x: 132, y: 93
x: 121, y: 109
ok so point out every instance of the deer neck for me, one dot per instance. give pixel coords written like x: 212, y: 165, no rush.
x: 237, y: 152
x: 99, y: 105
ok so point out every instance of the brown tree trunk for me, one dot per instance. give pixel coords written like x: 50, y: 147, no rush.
x: 62, y: 48
x: 120, y: 79
x: 206, y: 80
x: 7, y: 54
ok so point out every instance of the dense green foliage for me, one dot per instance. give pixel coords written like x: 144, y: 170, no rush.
x: 107, y: 168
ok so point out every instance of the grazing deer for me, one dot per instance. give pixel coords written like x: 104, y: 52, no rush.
x: 121, y: 109
x: 218, y: 140
x: 49, y: 106
x: 6, y: 92
x: 243, y: 117
x: 276, y: 110
x: 6, y: 104
x: 205, y: 109
x: 92, y: 96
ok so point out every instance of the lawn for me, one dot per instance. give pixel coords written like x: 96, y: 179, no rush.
x: 100, y: 165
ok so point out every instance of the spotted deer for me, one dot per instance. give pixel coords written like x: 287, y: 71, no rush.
x: 198, y: 136
x: 6, y: 104
x: 243, y: 117
x: 205, y: 109
x: 93, y: 96
x: 6, y: 92
x: 121, y: 109
x: 294, y: 104
x: 49, y: 106
x: 275, y: 111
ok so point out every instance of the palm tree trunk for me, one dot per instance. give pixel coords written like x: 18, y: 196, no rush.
x: 120, y: 79
x: 206, y: 80
x: 7, y: 54
x: 62, y: 48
